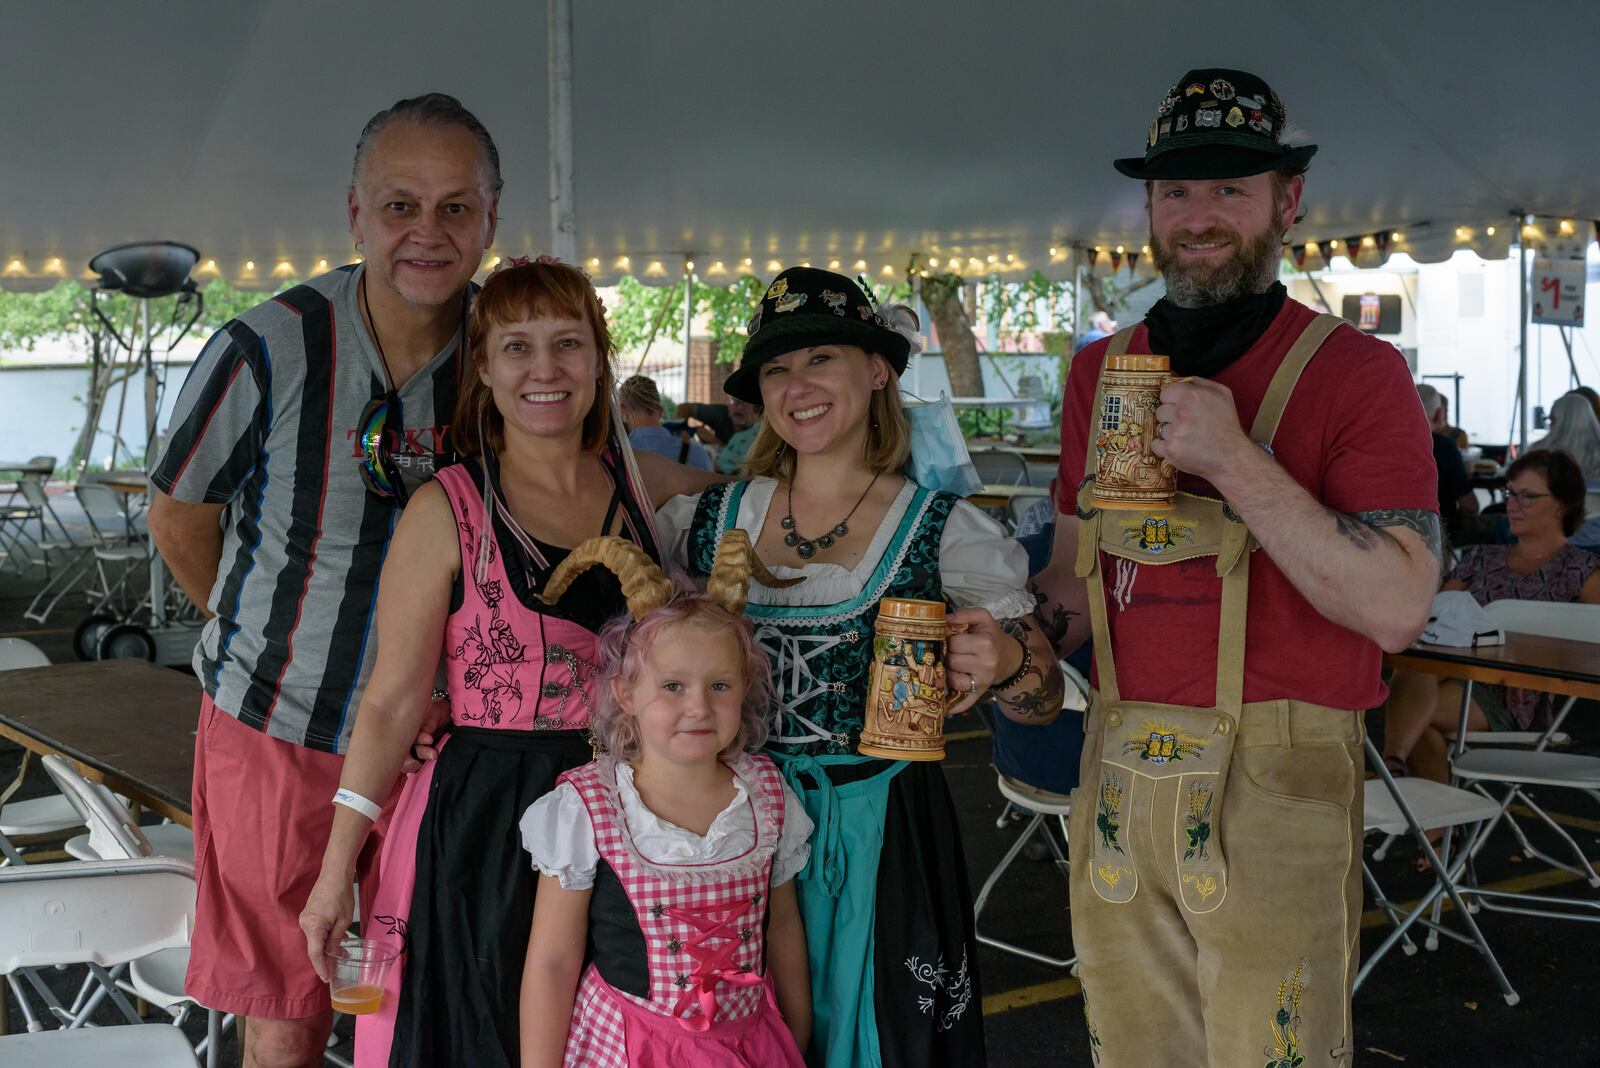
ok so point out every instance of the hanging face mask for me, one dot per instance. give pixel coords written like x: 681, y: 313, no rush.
x: 939, y: 457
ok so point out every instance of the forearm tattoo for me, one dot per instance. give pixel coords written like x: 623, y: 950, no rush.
x: 1362, y: 527
x: 1039, y: 693
x: 1050, y: 618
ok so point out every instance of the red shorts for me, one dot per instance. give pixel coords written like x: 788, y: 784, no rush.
x: 262, y: 811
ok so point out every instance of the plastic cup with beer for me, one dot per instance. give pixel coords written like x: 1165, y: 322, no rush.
x: 356, y: 968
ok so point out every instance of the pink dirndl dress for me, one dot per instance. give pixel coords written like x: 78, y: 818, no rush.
x: 452, y: 885
x: 702, y: 999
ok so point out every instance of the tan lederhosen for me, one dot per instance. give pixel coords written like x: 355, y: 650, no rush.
x: 1172, y: 765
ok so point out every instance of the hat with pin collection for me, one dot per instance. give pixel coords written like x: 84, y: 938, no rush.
x: 806, y: 306
x: 1217, y: 123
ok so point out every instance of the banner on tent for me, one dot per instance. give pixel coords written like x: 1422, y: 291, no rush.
x: 1555, y: 290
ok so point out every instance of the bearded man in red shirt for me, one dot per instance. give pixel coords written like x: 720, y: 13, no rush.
x: 1216, y: 832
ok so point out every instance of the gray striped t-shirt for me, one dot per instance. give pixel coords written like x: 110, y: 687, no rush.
x: 267, y: 425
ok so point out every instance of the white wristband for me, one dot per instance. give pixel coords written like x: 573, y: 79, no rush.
x: 352, y: 800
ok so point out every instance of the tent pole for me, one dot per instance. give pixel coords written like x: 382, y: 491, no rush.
x: 688, y: 327
x: 563, y: 222
x: 1522, y: 326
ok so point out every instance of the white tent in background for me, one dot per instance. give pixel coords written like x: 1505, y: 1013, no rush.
x: 730, y: 131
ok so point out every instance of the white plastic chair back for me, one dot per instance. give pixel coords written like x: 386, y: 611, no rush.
x: 105, y: 510
x: 104, y: 912
x: 151, y: 1046
x: 113, y: 834
x: 1000, y: 467
x: 16, y: 653
x: 1551, y: 619
x: 32, y: 490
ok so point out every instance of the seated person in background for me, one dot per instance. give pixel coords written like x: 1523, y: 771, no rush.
x: 746, y: 417
x: 1454, y: 433
x: 1544, y: 500
x: 1045, y: 758
x: 1100, y: 325
x: 1575, y: 430
x: 641, y: 411
x: 720, y: 423
x: 1458, y: 503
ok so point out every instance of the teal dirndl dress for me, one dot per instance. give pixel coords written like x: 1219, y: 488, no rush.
x: 885, y: 898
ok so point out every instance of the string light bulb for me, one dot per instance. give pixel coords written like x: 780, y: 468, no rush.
x: 1054, y: 251
x: 249, y: 265
x: 833, y: 265
x: 887, y: 269
x: 774, y: 265
x: 1397, y: 236
x: 1369, y: 241
x: 860, y: 265
x: 1566, y: 226
x: 688, y: 266
x: 1490, y: 231
x: 322, y: 265
x: 933, y: 262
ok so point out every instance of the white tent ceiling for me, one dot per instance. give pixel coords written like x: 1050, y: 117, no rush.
x: 807, y: 130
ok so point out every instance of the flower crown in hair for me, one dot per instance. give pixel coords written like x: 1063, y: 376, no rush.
x: 522, y: 261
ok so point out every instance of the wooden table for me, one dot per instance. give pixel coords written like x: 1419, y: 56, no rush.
x: 129, y: 482
x: 1531, y: 661
x: 126, y: 723
x: 1001, y: 496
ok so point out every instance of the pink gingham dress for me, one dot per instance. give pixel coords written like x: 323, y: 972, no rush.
x: 710, y: 1004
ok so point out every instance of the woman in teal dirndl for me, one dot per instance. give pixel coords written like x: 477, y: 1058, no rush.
x: 827, y: 502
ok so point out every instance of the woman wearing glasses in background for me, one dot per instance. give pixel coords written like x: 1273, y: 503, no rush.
x: 545, y: 467
x: 1545, y: 504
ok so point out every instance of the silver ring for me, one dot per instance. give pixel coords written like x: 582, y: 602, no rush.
x: 1159, y: 428
x: 972, y: 685
x: 440, y: 695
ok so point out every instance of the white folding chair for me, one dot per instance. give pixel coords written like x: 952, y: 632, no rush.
x: 1405, y: 806
x: 117, y: 541
x: 1032, y: 411
x: 37, y: 817
x: 115, y: 835
x: 1515, y: 771
x: 97, y: 1047
x: 98, y: 914
x: 1039, y: 806
x: 1000, y: 467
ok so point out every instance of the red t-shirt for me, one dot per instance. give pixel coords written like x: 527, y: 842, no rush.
x: 1354, y: 436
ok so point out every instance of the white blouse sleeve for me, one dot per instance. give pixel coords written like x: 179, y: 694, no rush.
x: 673, y: 521
x: 794, y: 841
x: 980, y: 567
x: 557, y: 833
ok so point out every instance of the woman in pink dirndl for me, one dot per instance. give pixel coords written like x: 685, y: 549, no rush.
x: 464, y: 584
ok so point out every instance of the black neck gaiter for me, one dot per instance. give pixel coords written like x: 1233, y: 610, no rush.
x: 1202, y: 341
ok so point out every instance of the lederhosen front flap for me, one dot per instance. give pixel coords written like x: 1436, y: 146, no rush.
x: 1156, y: 742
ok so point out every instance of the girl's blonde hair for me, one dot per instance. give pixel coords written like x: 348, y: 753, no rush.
x: 886, y: 449
x: 625, y: 646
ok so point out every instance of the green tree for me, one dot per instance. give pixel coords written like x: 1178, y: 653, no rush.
x: 648, y: 315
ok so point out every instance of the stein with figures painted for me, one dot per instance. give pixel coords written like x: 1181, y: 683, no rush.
x: 1130, y: 474
x: 909, y: 696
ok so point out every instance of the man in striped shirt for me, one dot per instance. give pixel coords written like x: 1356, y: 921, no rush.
x: 296, y: 438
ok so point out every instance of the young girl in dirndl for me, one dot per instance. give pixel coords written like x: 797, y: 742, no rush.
x: 668, y: 862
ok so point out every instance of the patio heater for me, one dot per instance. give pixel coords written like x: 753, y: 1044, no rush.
x: 146, y: 271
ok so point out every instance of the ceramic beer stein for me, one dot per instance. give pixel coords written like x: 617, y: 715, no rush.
x: 1130, y: 475
x: 909, y: 696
